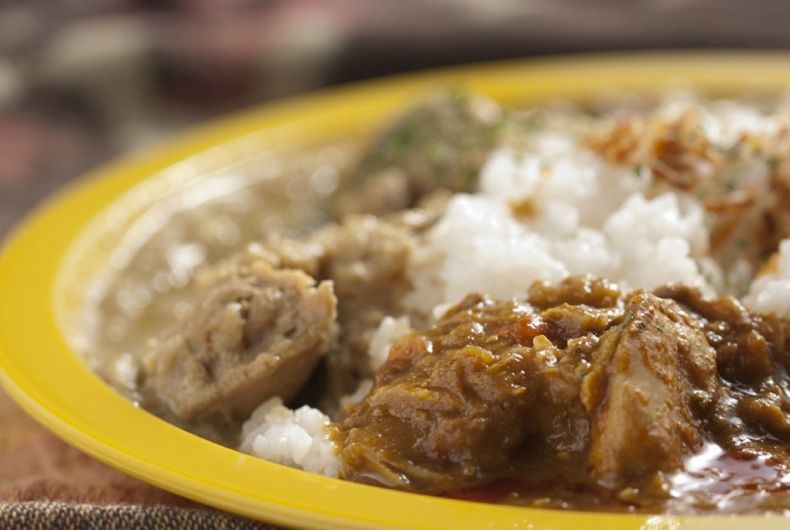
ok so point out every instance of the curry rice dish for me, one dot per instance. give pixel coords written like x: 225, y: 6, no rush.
x: 579, y: 307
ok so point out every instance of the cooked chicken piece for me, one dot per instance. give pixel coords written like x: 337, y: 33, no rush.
x: 366, y: 259
x: 483, y: 392
x: 255, y: 332
x: 649, y: 375
x: 486, y: 390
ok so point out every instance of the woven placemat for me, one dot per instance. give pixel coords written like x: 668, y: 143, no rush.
x: 45, y: 483
x: 48, y: 515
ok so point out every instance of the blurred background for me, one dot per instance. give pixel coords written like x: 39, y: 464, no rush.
x: 84, y: 80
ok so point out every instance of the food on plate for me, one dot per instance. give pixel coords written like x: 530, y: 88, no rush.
x: 567, y: 306
x: 256, y: 333
x: 582, y: 390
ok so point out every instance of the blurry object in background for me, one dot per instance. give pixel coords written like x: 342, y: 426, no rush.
x: 84, y: 80
x: 46, y: 137
x: 150, y: 67
x: 232, y: 52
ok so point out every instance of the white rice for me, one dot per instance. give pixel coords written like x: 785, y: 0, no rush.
x: 296, y: 438
x: 770, y: 293
x: 592, y: 217
x: 389, y: 330
x: 357, y: 395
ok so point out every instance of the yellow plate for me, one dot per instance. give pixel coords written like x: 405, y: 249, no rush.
x: 41, y: 290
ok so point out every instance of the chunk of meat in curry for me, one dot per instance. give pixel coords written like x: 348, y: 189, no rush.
x: 259, y: 328
x: 255, y: 333
x: 578, y: 385
x: 365, y: 258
